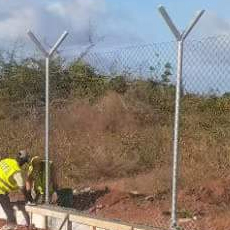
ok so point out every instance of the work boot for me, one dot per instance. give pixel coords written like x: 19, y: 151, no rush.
x: 9, y: 227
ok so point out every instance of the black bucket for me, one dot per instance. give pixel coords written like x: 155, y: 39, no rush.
x: 65, y: 197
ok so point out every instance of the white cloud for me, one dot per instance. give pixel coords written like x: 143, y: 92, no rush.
x: 77, y: 12
x: 48, y: 19
x: 15, y: 21
x: 57, y: 8
x: 211, y: 25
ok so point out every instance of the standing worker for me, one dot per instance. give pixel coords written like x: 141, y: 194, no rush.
x: 11, y: 180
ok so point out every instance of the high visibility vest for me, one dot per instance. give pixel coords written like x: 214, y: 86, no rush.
x: 8, y: 167
x: 38, y: 177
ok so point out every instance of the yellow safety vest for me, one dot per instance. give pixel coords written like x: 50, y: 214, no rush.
x: 8, y: 167
x: 38, y: 177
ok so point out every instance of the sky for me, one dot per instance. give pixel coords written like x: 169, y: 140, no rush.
x: 109, y: 22
x: 112, y: 24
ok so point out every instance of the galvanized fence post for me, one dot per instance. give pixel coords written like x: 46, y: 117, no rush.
x: 176, y: 132
x: 47, y: 131
x: 180, y: 37
x: 47, y: 55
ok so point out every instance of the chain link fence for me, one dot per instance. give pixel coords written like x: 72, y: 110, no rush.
x: 111, y: 125
x: 204, y: 131
x: 204, y: 126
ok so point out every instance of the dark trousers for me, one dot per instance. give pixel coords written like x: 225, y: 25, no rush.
x: 8, y: 208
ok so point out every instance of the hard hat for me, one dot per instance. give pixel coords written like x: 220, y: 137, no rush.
x: 22, y: 157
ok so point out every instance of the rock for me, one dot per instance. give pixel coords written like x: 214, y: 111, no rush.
x: 75, y: 191
x: 135, y: 194
x: 195, y: 218
x: 84, y: 190
x: 184, y: 220
x: 149, y: 198
x: 100, y: 206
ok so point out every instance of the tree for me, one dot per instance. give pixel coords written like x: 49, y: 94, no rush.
x: 165, y: 77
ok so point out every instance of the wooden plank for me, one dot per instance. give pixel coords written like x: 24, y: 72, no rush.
x: 64, y: 221
x: 69, y: 225
x: 45, y: 211
x: 98, y: 223
x: 77, y: 217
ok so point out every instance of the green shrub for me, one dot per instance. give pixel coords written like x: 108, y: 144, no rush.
x: 118, y: 84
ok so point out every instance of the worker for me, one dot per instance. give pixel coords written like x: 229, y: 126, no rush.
x: 35, y: 183
x: 11, y: 180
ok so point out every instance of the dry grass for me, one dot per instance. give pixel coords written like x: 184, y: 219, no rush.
x: 123, y: 136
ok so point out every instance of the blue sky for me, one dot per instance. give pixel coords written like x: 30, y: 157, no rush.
x: 147, y: 24
x: 117, y: 23
x: 120, y: 22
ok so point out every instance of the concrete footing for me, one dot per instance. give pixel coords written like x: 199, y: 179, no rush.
x: 56, y: 218
x: 41, y: 221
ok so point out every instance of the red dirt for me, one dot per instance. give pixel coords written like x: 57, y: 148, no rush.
x: 136, y: 210
x: 203, y: 207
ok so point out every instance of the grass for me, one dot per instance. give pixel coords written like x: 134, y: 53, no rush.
x: 122, y: 135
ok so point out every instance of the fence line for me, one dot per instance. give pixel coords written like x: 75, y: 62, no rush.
x: 135, y: 123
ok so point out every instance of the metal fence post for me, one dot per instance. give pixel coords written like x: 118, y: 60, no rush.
x: 176, y: 132
x: 47, y: 132
x: 180, y: 37
x: 47, y: 56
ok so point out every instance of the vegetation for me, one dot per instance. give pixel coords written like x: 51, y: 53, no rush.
x: 104, y: 128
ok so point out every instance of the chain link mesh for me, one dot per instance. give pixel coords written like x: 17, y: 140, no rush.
x: 111, y: 125
x: 146, y: 61
x: 114, y: 129
x: 204, y: 132
x: 204, y: 129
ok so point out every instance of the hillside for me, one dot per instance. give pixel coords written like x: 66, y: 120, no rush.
x: 118, y: 133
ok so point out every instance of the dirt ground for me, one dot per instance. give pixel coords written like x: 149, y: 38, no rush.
x: 200, y: 208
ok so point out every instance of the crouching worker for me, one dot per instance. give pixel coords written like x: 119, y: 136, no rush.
x: 35, y: 183
x: 11, y: 180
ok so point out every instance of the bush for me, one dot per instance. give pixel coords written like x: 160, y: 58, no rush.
x: 85, y: 82
x: 118, y: 84
x: 156, y: 94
